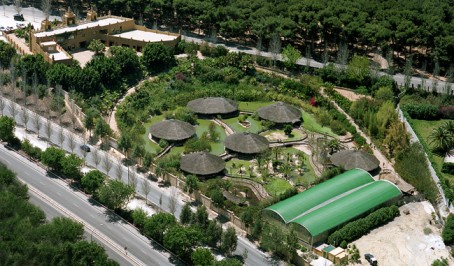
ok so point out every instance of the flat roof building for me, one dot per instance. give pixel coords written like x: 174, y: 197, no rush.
x: 110, y: 30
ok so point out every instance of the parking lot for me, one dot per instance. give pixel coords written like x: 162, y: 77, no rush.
x: 31, y: 15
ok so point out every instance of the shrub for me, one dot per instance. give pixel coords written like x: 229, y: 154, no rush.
x: 163, y: 143
x: 448, y: 168
x: 337, y: 127
x: 360, y: 227
x: 422, y: 111
x: 447, y: 112
x: 31, y: 150
x: 448, y: 231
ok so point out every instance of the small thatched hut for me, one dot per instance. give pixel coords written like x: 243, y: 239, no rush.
x: 172, y: 130
x: 280, y: 113
x: 202, y: 163
x: 350, y: 159
x: 213, y: 106
x: 246, y: 143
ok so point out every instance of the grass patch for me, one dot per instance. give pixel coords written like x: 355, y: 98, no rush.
x: 236, y: 170
x: 310, y: 124
x: 277, y: 186
x: 151, y: 146
x: 255, y: 126
x: 423, y: 129
x: 252, y: 106
x: 217, y: 148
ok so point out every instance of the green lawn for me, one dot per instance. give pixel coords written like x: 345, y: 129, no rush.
x: 255, y: 126
x: 310, y: 124
x: 218, y: 147
x: 235, y: 171
x: 277, y: 186
x: 151, y: 146
x: 252, y: 106
x: 424, y: 128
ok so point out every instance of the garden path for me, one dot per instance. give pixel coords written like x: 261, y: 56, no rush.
x: 228, y: 130
x: 385, y: 164
x: 112, y: 122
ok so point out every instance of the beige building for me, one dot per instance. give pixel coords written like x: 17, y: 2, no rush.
x: 55, y: 43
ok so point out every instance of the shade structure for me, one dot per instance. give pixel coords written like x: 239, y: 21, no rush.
x: 280, y: 113
x: 202, y: 163
x: 173, y: 130
x: 248, y: 143
x: 350, y: 159
x: 212, y: 106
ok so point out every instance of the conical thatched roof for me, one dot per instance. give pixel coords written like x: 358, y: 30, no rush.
x: 350, y: 159
x: 172, y: 130
x: 202, y: 163
x: 248, y: 143
x: 212, y: 106
x: 280, y: 113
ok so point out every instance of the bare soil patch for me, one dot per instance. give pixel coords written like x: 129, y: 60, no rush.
x: 403, y: 241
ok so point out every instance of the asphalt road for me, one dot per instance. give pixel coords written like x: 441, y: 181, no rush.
x: 97, y: 220
x: 442, y: 87
x: 156, y: 195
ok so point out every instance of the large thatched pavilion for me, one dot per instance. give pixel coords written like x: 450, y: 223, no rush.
x: 280, y: 113
x: 351, y: 159
x: 202, y: 163
x: 246, y: 143
x: 172, y: 130
x: 213, y: 106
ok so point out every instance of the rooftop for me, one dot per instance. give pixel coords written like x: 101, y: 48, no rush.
x: 280, y: 113
x: 146, y: 36
x: 212, y: 105
x: 98, y: 23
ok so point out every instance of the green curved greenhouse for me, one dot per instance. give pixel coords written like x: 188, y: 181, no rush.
x: 318, y: 211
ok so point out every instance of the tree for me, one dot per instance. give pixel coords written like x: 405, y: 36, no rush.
x: 158, y: 225
x: 96, y: 46
x: 229, y: 241
x: 86, y: 253
x: 107, y: 69
x: 181, y: 239
x: 102, y: 129
x: 288, y: 130
x: 137, y: 153
x: 186, y: 214
x: 70, y: 166
x: 139, y: 216
x: 217, y: 197
x: 125, y: 143
x: 7, y: 52
x: 275, y: 46
x: 18, y: 6
x: 61, y: 137
x: 173, y: 199
x: 191, y: 184
x: 202, y: 257
x: 45, y: 7
x: 90, y: 119
x: 441, y: 139
x: 96, y: 157
x: 384, y: 94
x: 71, y: 142
x: 228, y: 262
x: 448, y: 231
x: 213, y: 234
x: 200, y: 218
x: 114, y: 194
x: 397, y: 138
x: 92, y: 181
x: 52, y: 157
x: 358, y: 71
x: 127, y: 59
x: 157, y: 57
x: 107, y: 164
x: 290, y: 56
x: 7, y: 126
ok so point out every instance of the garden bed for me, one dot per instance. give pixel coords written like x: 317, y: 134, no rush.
x: 254, y: 125
x: 276, y: 135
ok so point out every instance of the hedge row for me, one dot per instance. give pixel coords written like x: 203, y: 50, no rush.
x: 448, y: 168
x: 422, y: 111
x: 360, y: 227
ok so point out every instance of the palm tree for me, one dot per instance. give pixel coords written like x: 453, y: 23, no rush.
x: 334, y: 145
x: 441, y: 139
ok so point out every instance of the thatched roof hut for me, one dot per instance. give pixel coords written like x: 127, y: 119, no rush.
x: 280, y: 113
x: 202, y: 163
x: 212, y: 106
x: 247, y: 143
x: 172, y: 130
x: 350, y: 159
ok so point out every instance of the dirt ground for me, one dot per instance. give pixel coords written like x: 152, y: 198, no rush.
x: 350, y: 94
x: 403, y: 242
